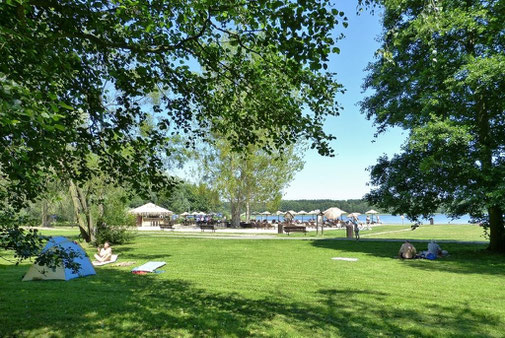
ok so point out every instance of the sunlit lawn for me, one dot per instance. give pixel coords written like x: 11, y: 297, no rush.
x: 223, y: 287
x: 463, y: 232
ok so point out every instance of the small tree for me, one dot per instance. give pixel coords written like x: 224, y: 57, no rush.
x: 251, y: 177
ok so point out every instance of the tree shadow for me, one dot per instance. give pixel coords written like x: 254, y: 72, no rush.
x: 142, y: 256
x: 118, y: 303
x: 463, y: 258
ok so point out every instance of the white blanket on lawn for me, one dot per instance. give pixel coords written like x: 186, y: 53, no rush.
x: 113, y: 258
x: 149, y: 266
x: 348, y: 259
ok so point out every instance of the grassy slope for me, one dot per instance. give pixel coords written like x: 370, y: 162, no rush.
x: 464, y: 232
x: 438, y: 232
x: 265, y: 287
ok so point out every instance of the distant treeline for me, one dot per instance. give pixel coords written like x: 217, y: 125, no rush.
x: 357, y: 205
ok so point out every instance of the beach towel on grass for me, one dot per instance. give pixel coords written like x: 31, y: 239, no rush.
x: 113, y: 258
x: 348, y: 259
x: 148, y: 267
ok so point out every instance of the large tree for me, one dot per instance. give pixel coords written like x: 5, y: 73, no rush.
x: 59, y: 60
x: 439, y: 74
x: 252, y: 177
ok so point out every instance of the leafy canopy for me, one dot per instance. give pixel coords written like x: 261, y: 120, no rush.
x: 439, y: 74
x: 62, y: 61
x: 59, y: 60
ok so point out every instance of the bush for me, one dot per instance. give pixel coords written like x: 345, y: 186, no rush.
x: 116, y: 226
x: 114, y: 234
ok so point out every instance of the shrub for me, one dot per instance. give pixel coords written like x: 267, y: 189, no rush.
x: 114, y: 234
x: 116, y: 226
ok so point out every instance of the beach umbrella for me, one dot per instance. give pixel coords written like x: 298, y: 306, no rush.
x: 265, y: 213
x: 353, y: 214
x: 333, y: 213
x: 302, y: 213
x: 372, y: 212
x: 199, y: 214
x: 184, y: 214
x: 314, y: 212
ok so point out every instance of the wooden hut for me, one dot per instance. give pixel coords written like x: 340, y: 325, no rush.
x: 151, y: 215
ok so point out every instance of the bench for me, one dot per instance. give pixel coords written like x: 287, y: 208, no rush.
x: 288, y: 229
x: 166, y: 227
x: 207, y: 227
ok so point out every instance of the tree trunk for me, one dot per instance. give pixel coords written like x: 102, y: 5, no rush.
x: 82, y: 212
x: 235, y: 214
x: 496, y: 230
x: 496, y: 224
x: 247, y: 212
x: 45, y: 218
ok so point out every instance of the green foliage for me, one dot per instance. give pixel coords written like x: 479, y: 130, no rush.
x: 24, y: 243
x: 251, y: 178
x: 115, y: 208
x: 439, y: 74
x: 184, y: 197
x: 62, y: 61
x: 114, y: 234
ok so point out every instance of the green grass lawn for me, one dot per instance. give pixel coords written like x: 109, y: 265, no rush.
x: 463, y: 232
x: 224, y: 287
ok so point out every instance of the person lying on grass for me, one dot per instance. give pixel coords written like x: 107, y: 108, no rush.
x: 407, y: 251
x: 104, y: 254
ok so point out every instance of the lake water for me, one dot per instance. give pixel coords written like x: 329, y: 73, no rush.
x: 390, y: 219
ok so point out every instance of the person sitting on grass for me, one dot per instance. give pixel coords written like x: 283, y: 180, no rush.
x: 435, y: 249
x: 104, y: 254
x: 407, y: 251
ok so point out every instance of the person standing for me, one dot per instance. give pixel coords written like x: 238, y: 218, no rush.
x: 356, y: 227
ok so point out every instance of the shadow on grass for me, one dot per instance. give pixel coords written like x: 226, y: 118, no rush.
x: 143, y: 257
x: 118, y: 303
x: 463, y: 258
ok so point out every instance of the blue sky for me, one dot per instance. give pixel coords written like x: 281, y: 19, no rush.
x: 344, y: 176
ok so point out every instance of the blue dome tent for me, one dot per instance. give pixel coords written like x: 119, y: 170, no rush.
x: 37, y: 272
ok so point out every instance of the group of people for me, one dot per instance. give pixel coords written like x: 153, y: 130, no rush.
x: 408, y: 251
x: 369, y: 221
